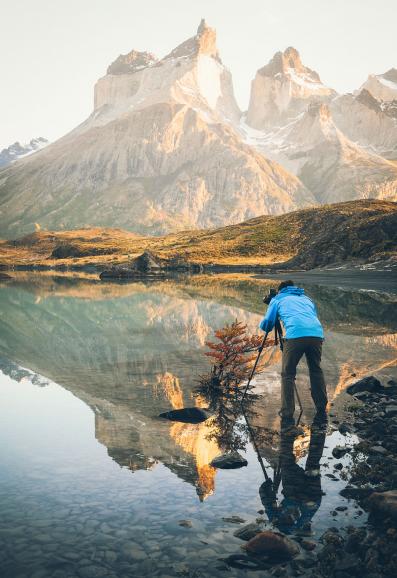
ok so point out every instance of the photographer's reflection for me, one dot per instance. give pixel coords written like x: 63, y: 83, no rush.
x: 301, y: 486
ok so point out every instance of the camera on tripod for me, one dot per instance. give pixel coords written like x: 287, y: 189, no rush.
x: 267, y: 298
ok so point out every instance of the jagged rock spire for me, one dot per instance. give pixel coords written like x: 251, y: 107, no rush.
x: 203, y: 43
x: 282, y: 62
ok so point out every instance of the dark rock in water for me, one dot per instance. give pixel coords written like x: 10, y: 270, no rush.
x: 185, y: 523
x: 344, y: 428
x: 187, y: 415
x: 229, y: 461
x: 273, y: 545
x: 339, y: 451
x: 247, y: 532
x: 234, y: 520
x: 352, y: 493
x: 308, y: 545
x: 391, y: 410
x: 331, y: 536
x: 384, y: 504
x: 368, y: 384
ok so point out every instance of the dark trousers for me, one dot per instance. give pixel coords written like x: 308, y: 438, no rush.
x: 292, y: 352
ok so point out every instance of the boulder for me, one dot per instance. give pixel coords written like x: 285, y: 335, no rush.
x: 229, y: 461
x: 146, y: 263
x: 384, y: 504
x: 273, y: 545
x: 187, y: 415
x: 143, y: 265
x: 247, y: 532
x: 367, y: 384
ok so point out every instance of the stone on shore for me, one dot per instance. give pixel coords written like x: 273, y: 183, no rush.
x: 367, y: 384
x: 384, y: 504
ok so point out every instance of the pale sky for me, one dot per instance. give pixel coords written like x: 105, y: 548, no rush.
x: 53, y: 51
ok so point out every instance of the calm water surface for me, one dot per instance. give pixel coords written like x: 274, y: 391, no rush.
x: 93, y: 483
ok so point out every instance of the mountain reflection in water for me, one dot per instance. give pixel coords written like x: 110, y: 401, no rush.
x: 132, y: 351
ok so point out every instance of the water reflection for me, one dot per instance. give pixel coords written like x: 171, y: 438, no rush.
x: 132, y: 351
x: 301, y: 486
x: 92, y: 483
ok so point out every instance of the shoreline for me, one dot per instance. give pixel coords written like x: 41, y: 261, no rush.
x: 385, y: 281
x: 381, y: 280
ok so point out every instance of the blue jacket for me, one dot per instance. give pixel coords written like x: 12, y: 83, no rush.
x: 296, y: 311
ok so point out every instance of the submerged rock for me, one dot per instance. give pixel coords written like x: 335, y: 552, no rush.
x: 187, y: 415
x: 229, y: 461
x: 234, y: 520
x: 247, y: 532
x: 339, y: 451
x: 273, y: 545
x: 368, y: 384
x: 384, y: 504
x: 185, y: 523
x: 352, y: 493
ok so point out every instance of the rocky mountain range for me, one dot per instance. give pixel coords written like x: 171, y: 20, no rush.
x: 167, y: 148
x: 18, y: 150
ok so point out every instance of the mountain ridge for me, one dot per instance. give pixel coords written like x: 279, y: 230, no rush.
x: 354, y: 231
x: 167, y: 148
x: 160, y: 152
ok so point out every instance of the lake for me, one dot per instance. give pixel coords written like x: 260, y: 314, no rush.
x: 94, y: 483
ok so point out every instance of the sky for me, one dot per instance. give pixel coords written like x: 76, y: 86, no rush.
x: 53, y: 51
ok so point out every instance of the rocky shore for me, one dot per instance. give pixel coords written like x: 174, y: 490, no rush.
x: 368, y: 550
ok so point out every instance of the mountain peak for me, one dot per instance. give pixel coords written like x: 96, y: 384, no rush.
x: 391, y: 75
x: 203, y: 43
x: 131, y: 62
x: 287, y: 62
x: 203, y: 26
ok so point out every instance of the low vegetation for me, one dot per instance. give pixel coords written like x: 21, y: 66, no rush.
x: 355, y: 230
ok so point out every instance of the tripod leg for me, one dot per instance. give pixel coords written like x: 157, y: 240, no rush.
x: 255, y: 365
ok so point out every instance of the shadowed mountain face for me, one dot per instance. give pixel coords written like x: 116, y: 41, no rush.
x: 133, y: 351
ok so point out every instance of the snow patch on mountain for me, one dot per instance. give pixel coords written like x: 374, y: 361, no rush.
x: 17, y: 150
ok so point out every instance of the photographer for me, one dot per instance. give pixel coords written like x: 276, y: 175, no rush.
x: 303, y: 335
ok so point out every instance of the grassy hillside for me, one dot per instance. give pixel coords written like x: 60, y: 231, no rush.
x: 355, y: 230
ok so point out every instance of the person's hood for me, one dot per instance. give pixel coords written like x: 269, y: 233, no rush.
x: 291, y: 290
